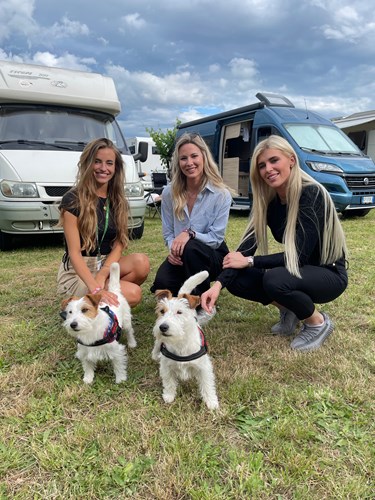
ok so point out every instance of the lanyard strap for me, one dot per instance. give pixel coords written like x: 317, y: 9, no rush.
x: 106, y: 222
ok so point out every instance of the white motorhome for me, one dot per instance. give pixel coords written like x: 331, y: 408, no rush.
x: 47, y: 116
x: 152, y: 164
x: 360, y: 128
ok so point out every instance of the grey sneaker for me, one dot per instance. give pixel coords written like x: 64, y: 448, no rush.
x: 286, y: 325
x: 310, y: 338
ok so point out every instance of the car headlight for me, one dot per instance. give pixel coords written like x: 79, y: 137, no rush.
x: 134, y: 189
x: 319, y: 166
x: 15, y: 189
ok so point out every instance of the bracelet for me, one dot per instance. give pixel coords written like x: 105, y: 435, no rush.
x: 96, y: 290
x: 250, y: 261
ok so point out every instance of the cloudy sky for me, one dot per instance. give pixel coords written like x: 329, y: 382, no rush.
x: 189, y: 58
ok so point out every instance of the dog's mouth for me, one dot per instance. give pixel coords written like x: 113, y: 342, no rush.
x: 166, y: 334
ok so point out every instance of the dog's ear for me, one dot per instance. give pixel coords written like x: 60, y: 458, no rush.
x: 163, y: 294
x: 65, y: 302
x: 193, y: 300
x: 94, y: 299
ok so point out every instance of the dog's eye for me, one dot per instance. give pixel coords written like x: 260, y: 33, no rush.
x: 162, y: 311
x: 179, y: 312
x: 84, y: 310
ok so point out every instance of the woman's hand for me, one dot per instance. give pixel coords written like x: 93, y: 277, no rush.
x: 109, y: 298
x: 179, y: 243
x: 235, y: 260
x: 175, y: 261
x: 209, y: 298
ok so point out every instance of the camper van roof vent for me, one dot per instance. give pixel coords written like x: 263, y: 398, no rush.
x: 274, y: 99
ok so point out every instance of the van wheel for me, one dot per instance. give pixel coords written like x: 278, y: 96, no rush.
x: 6, y: 241
x: 137, y: 232
x: 355, y: 213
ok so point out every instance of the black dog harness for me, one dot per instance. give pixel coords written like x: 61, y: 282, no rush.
x: 191, y: 357
x: 112, y: 333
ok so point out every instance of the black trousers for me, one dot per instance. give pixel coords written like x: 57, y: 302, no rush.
x: 319, y: 284
x: 196, y: 257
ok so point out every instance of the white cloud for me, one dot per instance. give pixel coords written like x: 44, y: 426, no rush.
x: 134, y: 21
x: 17, y: 18
x: 67, y: 28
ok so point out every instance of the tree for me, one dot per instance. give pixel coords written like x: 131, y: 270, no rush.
x: 165, y: 142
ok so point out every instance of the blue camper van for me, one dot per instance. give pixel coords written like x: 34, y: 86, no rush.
x: 324, y: 151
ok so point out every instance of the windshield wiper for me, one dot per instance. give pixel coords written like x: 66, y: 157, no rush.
x: 312, y: 150
x: 33, y: 143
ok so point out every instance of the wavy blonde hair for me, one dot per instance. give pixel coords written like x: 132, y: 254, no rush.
x: 210, y: 172
x: 86, y: 199
x: 333, y: 245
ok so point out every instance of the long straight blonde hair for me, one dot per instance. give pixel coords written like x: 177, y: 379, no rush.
x: 86, y: 199
x: 178, y: 183
x: 333, y: 245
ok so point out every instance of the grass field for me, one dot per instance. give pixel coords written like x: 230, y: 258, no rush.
x: 290, y: 425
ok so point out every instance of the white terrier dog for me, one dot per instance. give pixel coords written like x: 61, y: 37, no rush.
x: 97, y: 329
x: 180, y: 346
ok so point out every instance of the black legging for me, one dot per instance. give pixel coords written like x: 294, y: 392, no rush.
x: 319, y: 284
x: 196, y: 257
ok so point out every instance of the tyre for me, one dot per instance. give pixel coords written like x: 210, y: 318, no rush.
x: 6, y: 241
x: 137, y: 232
x: 361, y: 212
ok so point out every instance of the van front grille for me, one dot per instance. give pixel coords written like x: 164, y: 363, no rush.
x: 361, y: 184
x: 57, y: 190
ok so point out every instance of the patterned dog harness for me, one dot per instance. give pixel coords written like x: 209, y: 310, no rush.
x: 191, y: 357
x: 112, y: 333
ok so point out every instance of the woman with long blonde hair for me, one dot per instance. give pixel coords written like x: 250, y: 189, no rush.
x: 311, y: 269
x: 195, y: 210
x: 94, y: 215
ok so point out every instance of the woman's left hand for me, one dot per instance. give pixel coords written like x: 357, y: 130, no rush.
x: 179, y: 243
x: 235, y: 260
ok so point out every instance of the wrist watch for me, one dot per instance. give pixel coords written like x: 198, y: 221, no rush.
x: 250, y: 261
x: 190, y: 232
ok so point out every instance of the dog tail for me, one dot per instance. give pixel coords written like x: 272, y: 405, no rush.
x: 192, y: 282
x: 114, y: 277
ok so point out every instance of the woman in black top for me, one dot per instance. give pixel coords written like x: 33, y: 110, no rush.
x: 94, y: 214
x: 302, y: 216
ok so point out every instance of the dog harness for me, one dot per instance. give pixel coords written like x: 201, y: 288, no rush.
x: 191, y: 357
x: 113, y: 332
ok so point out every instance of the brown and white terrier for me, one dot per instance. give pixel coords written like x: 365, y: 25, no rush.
x: 180, y: 346
x: 97, y: 329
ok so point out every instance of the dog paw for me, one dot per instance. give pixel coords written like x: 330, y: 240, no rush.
x: 122, y: 378
x: 212, y: 404
x: 168, y: 398
x: 132, y: 343
x: 88, y: 379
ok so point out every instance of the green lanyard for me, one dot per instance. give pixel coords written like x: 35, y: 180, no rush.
x: 106, y: 209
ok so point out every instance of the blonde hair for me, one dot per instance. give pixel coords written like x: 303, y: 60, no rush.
x: 333, y: 246
x: 210, y: 172
x: 86, y: 199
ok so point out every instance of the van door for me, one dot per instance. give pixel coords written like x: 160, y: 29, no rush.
x: 235, y: 153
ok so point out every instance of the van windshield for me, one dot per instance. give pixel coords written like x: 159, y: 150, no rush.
x: 52, y: 127
x: 322, y: 138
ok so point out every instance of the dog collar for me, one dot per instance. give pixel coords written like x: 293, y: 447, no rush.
x: 113, y: 332
x: 202, y: 351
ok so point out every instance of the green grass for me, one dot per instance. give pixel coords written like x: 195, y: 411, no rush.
x: 290, y: 425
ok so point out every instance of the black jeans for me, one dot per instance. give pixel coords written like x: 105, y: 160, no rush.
x: 196, y: 257
x: 319, y: 284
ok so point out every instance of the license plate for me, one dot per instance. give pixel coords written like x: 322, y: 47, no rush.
x: 367, y: 199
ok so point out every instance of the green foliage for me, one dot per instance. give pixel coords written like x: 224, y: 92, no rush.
x: 165, y: 142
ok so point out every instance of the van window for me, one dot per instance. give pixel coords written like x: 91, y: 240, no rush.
x: 321, y: 138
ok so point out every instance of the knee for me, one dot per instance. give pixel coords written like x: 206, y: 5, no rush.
x: 274, y: 283
x: 132, y: 293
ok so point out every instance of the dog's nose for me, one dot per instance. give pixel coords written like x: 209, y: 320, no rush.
x: 73, y: 325
x: 164, y: 327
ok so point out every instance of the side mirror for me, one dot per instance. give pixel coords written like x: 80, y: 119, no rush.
x: 142, y: 152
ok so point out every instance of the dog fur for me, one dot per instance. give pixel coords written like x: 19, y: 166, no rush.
x: 86, y: 321
x: 177, y: 327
